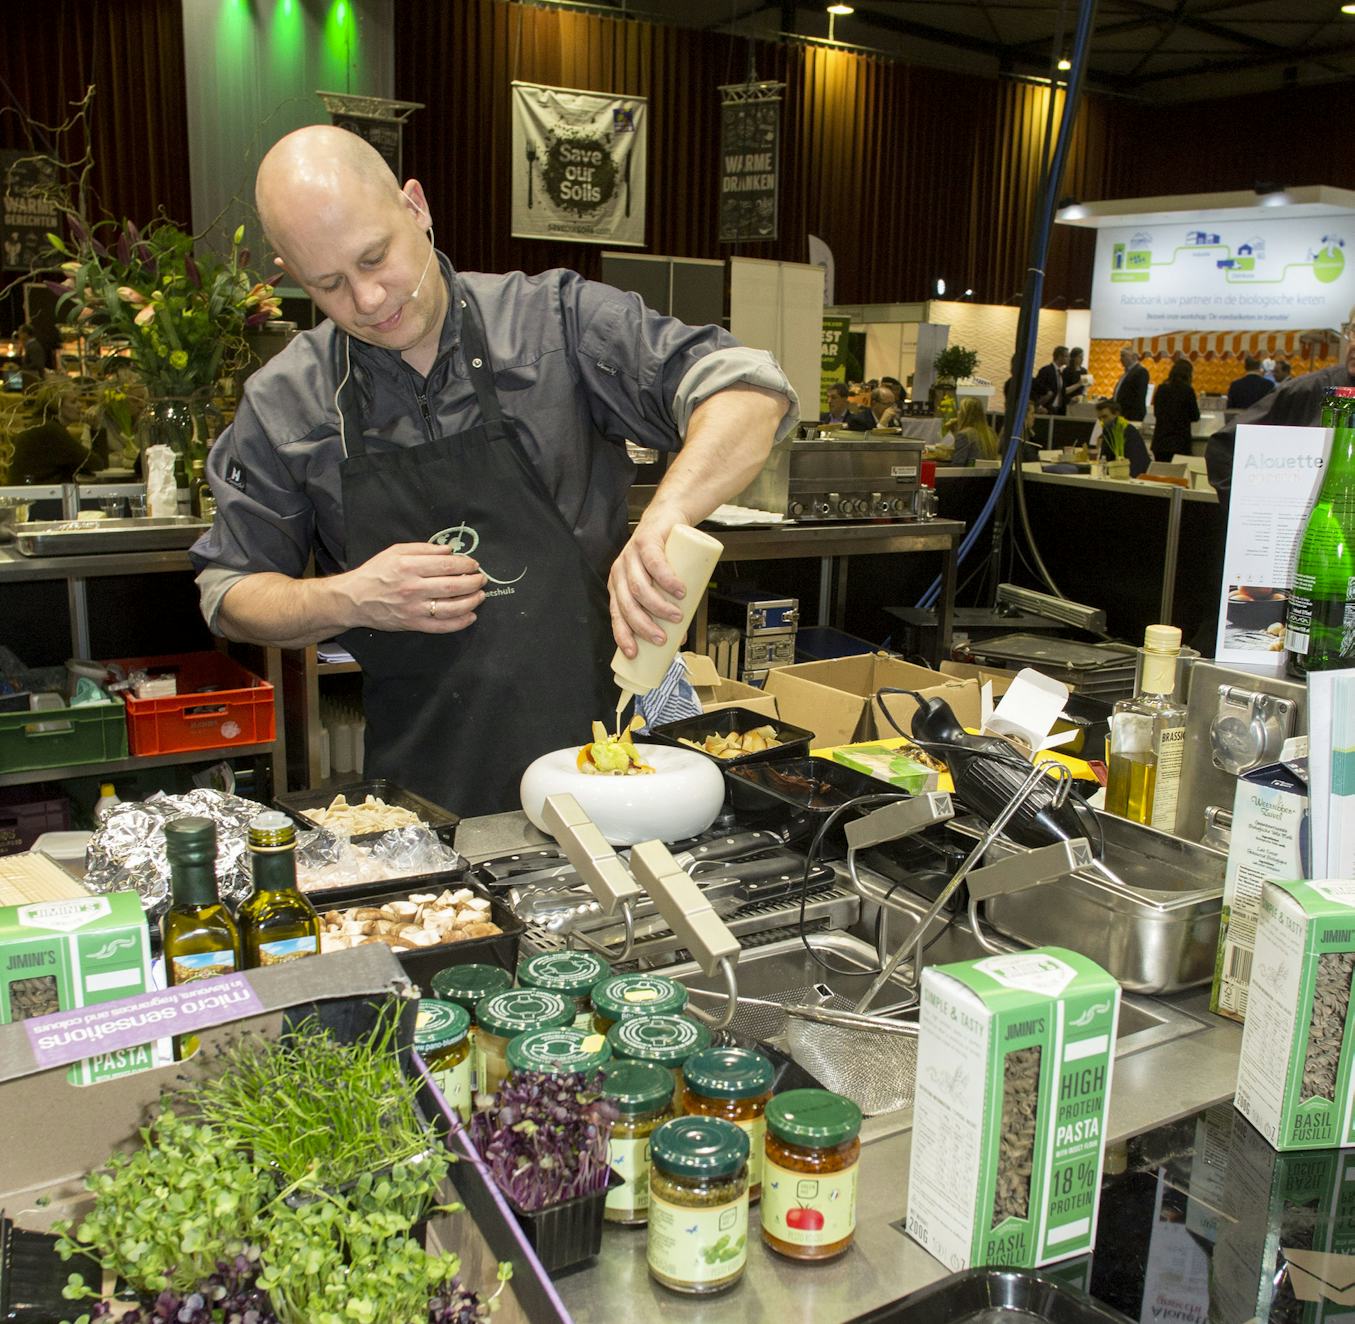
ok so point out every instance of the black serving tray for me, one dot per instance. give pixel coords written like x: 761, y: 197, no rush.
x: 390, y: 889
x: 796, y: 795
x: 994, y: 1296
x: 422, y: 963
x: 793, y: 741
x: 301, y: 804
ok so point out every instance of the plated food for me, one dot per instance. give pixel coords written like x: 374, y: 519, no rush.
x: 423, y: 919
x: 371, y: 815
x: 612, y: 755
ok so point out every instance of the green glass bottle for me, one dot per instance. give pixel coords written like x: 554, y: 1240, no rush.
x: 199, y: 937
x: 277, y: 923
x: 1319, y: 627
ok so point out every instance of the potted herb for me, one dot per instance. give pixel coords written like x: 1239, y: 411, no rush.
x: 951, y: 366
x: 544, y: 1139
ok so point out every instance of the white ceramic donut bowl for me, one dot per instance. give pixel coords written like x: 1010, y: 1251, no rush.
x: 680, y: 798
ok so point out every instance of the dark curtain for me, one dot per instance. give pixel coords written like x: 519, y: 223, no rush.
x: 907, y: 173
x: 132, y: 51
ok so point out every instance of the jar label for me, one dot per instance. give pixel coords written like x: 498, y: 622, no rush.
x: 477, y: 1069
x: 202, y: 965
x: 697, y: 1245
x: 584, y: 1020
x: 454, y: 1082
x: 629, y: 1159
x: 808, y: 1209
x: 756, y: 1131
x: 288, y: 949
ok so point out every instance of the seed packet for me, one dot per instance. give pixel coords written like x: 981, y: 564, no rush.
x: 1009, y: 1116
x: 1294, y: 1077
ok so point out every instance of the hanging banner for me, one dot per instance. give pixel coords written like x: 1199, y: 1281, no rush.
x: 1211, y: 274
x: 750, y: 134
x: 579, y: 165
x: 29, y: 209
x: 833, y: 363
x: 383, y: 134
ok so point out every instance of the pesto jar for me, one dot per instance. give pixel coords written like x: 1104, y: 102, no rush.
x: 666, y: 1041
x: 571, y: 973
x: 698, y: 1204
x: 622, y: 996
x: 501, y: 1017
x: 466, y: 985
x: 643, y: 1097
x: 558, y: 1052
x: 442, y: 1039
x: 809, y: 1177
x: 735, y: 1084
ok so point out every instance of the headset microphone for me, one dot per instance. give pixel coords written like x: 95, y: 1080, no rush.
x: 423, y: 275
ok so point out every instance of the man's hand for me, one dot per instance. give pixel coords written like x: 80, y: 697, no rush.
x: 413, y: 586
x: 641, y: 584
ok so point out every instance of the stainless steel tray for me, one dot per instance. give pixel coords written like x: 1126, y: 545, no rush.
x: 73, y: 537
x: 1155, y: 926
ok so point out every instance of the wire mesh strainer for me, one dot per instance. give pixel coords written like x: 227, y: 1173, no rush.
x: 874, y: 1067
x: 762, y: 1020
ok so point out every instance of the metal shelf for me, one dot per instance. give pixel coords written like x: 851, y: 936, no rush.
x: 337, y: 668
x: 134, y: 764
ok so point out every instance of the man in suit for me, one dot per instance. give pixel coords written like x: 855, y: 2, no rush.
x: 1246, y: 390
x: 1131, y: 391
x: 1048, y: 392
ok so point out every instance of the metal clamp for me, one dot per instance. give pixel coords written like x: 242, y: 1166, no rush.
x: 597, y: 864
x: 902, y: 818
x: 692, y: 918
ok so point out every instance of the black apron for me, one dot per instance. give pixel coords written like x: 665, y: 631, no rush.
x: 458, y: 717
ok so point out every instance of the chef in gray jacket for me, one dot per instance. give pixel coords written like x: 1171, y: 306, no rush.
x: 449, y: 447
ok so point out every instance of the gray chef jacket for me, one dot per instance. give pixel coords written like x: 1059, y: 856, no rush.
x: 579, y: 368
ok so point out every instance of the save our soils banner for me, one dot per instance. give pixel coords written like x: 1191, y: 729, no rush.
x: 579, y: 165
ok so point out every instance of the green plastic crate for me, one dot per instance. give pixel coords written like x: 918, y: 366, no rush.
x: 61, y: 737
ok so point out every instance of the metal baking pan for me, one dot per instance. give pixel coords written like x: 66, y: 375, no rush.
x: 76, y: 537
x: 1154, y: 925
x: 994, y: 1296
x: 302, y: 804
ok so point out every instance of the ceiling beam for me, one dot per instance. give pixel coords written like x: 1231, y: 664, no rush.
x: 1294, y: 55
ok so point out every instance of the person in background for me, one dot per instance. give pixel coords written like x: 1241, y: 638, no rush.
x: 1283, y: 371
x: 839, y: 404
x: 884, y: 407
x: 1175, y: 408
x: 900, y: 395
x: 1048, y: 392
x: 51, y: 450
x: 1009, y: 388
x: 1120, y: 439
x: 1246, y: 390
x: 32, y: 353
x: 968, y: 437
x: 1268, y: 369
x: 1131, y: 391
x: 1076, y: 378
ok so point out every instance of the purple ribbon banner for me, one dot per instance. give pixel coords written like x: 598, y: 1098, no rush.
x: 69, y: 1036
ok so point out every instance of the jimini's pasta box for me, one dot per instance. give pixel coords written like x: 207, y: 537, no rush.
x: 1009, y: 1117
x: 1294, y: 1079
x: 60, y: 956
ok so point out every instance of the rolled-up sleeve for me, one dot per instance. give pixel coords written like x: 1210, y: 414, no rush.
x: 264, y: 521
x: 645, y: 373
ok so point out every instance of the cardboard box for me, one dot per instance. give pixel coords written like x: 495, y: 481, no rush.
x: 992, y: 1031
x: 1294, y: 1077
x: 999, y: 680
x: 835, y: 699
x: 60, y: 956
x: 1270, y: 810
x: 47, y: 1163
x: 1284, y: 1212
x: 714, y: 691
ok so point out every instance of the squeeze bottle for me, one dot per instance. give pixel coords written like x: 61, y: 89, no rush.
x: 693, y: 555
x: 103, y: 806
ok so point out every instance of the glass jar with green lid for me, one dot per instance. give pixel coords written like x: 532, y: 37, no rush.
x: 643, y: 1096
x: 733, y: 1083
x: 809, y: 1176
x: 558, y: 1052
x: 501, y: 1017
x: 466, y: 985
x: 442, y: 1039
x: 571, y: 973
x: 666, y: 1041
x: 698, y: 1204
x: 622, y: 996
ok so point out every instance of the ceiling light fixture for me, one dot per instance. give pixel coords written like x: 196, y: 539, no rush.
x: 834, y: 13
x: 1348, y: 9
x: 1064, y: 65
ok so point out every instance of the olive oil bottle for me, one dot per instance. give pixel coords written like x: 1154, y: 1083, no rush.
x: 199, y: 938
x: 277, y: 923
x: 1148, y: 738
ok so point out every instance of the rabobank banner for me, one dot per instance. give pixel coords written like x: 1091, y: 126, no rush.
x: 1203, y: 275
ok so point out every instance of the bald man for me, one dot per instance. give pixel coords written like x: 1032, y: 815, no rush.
x: 449, y: 447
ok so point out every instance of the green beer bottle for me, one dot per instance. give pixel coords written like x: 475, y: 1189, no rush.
x: 277, y: 923
x: 1319, y: 627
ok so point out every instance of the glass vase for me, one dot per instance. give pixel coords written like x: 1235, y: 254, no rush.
x: 187, y: 424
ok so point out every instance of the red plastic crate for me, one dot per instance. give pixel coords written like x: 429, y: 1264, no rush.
x: 219, y: 704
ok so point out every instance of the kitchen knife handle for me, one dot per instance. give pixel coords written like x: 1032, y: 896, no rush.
x: 732, y: 847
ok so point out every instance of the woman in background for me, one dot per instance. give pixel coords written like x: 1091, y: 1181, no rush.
x: 970, y: 437
x: 1076, y: 378
x: 1175, y: 408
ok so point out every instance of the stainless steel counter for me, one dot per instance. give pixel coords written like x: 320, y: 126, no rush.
x: 1156, y: 1085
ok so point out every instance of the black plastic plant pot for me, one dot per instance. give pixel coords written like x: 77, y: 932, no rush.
x: 568, y: 1234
